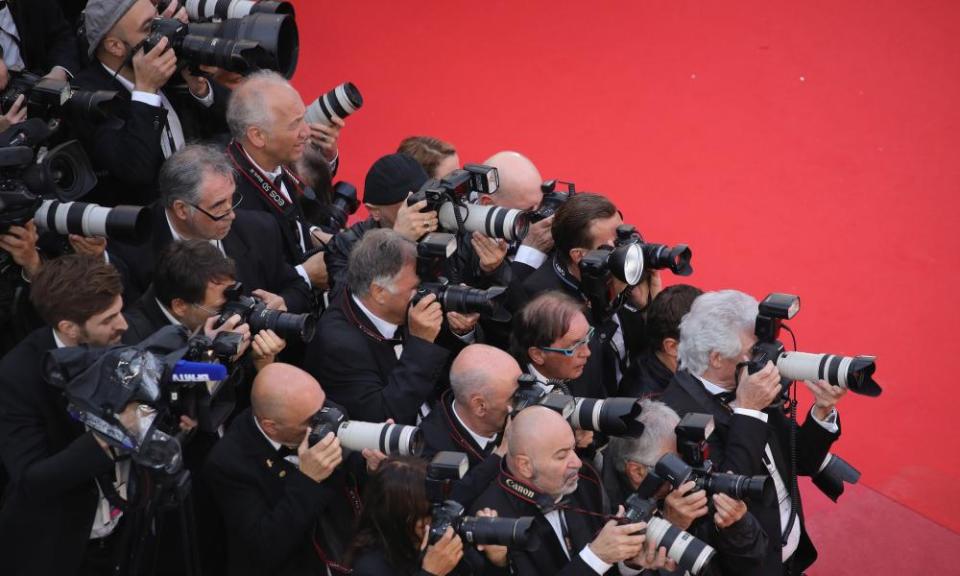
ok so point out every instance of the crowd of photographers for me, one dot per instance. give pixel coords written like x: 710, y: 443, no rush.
x: 208, y: 369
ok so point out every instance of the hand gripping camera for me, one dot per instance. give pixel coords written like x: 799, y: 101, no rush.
x: 356, y: 435
x: 254, y: 312
x: 688, y: 551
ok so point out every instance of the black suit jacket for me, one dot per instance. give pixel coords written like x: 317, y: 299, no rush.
x: 647, y: 377
x: 143, y: 318
x: 52, y: 462
x: 46, y: 39
x: 549, y: 557
x: 270, y: 508
x: 738, y: 444
x: 253, y: 243
x: 126, y: 154
x: 359, y: 369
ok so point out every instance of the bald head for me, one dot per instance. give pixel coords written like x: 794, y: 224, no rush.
x: 285, y: 394
x: 534, y: 430
x: 519, y: 181
x: 542, y: 452
x: 479, y: 369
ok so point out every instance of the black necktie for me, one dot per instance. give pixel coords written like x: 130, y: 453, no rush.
x: 726, y: 397
x: 285, y: 451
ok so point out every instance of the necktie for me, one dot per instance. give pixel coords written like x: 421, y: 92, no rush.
x: 285, y: 451
x: 726, y: 397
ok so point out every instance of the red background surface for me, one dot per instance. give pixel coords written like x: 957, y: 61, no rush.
x: 804, y: 147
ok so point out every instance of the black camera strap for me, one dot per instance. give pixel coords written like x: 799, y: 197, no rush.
x: 263, y: 185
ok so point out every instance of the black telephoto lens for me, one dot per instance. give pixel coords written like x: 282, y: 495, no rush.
x: 512, y: 532
x: 756, y: 488
x: 675, y: 258
x: 613, y: 416
x: 240, y: 56
x: 286, y: 325
x: 276, y: 33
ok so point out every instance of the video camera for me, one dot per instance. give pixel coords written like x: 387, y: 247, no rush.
x: 356, y: 435
x: 611, y: 416
x: 99, y: 383
x: 852, y: 372
x: 254, y: 312
x: 552, y: 199
x: 447, y: 468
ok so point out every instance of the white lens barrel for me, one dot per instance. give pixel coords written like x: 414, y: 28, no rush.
x: 387, y: 438
x: 492, y: 221
x: 805, y: 366
x: 682, y: 547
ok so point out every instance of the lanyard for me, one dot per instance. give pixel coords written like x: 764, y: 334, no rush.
x: 261, y: 183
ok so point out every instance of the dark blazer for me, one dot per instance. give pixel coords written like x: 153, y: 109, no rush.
x: 272, y: 511
x: 738, y: 444
x: 127, y: 155
x: 549, y: 557
x: 360, y: 370
x: 143, y: 318
x: 647, y: 377
x: 253, y: 243
x: 46, y: 39
x: 52, y: 462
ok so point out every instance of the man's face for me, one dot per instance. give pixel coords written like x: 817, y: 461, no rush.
x: 216, y: 199
x: 556, y: 465
x: 134, y: 26
x: 104, y: 328
x: 498, y: 401
x: 520, y: 198
x: 446, y: 166
x: 398, y: 299
x: 287, y: 134
x: 385, y: 214
x: 726, y: 375
x: 292, y: 426
x: 212, y: 304
x: 560, y: 366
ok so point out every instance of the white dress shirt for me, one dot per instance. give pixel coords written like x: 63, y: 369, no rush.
x: 481, y: 441
x: 10, y: 40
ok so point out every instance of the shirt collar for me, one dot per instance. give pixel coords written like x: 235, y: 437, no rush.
x: 387, y: 329
x: 276, y: 445
x: 712, y: 388
x: 541, y: 379
x: 273, y: 175
x: 173, y: 319
x: 57, y: 340
x: 481, y: 441
x: 123, y: 81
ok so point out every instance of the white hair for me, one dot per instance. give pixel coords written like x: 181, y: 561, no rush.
x: 659, y: 421
x: 714, y: 324
x: 247, y: 107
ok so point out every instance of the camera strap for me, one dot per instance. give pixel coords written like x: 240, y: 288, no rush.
x: 352, y: 317
x: 263, y: 185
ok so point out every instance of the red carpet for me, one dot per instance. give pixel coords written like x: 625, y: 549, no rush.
x: 804, y: 147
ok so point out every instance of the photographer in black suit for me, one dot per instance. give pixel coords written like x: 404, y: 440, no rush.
x: 289, y: 507
x: 158, y: 116
x: 377, y: 354
x: 752, y: 435
x: 56, y: 518
x: 198, y: 202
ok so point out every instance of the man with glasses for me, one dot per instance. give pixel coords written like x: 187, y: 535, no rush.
x: 198, y: 202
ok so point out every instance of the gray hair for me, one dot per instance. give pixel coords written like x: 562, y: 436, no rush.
x: 247, y: 106
x: 181, y: 176
x: 659, y: 421
x: 466, y: 383
x: 714, y: 324
x: 377, y: 258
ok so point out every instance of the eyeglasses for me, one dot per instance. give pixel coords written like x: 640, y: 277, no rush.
x: 572, y: 349
x: 207, y: 310
x: 236, y: 200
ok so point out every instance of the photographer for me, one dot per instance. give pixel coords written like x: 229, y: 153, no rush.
x: 63, y: 477
x: 35, y: 36
x: 752, y: 433
x: 731, y: 530
x: 543, y: 477
x: 266, y: 119
x: 391, y: 537
x: 377, y: 354
x: 289, y: 507
x: 437, y: 157
x: 158, y: 117
x: 199, y: 202
x: 652, y: 369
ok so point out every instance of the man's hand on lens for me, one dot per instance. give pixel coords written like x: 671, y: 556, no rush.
x: 643, y: 293
x: 316, y: 268
x: 273, y: 301
x: 425, y: 318
x: 374, y: 457
x: 413, y: 224
x: 491, y: 251
x: 15, y: 115
x: 497, y: 555
x: 462, y: 324
x: 827, y: 395
x: 266, y: 345
x: 682, y: 506
x: 618, y: 542
x: 88, y: 246
x: 652, y: 558
x: 441, y: 558
x: 325, y: 138
x: 583, y: 438
x: 757, y: 391
x: 21, y: 243
x: 151, y: 70
x: 319, y: 462
x: 233, y: 324
x: 539, y: 235
x: 729, y: 510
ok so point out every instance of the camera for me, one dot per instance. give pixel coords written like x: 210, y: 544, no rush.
x: 612, y: 416
x: 659, y: 256
x: 466, y: 300
x: 624, y: 260
x: 688, y: 551
x: 692, y: 433
x: 852, y: 372
x: 449, y: 467
x: 241, y: 56
x: 210, y: 9
x: 345, y: 203
x: 53, y: 98
x: 675, y: 471
x: 276, y: 34
x: 450, y: 197
x: 254, y: 312
x: 356, y: 435
x: 340, y: 102
x: 552, y: 199
x: 832, y: 474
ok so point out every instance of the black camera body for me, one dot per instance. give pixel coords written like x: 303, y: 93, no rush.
x: 356, y: 435
x: 688, y: 551
x: 241, y: 56
x: 51, y: 98
x: 552, y: 199
x: 254, y: 312
x: 466, y: 300
x: 674, y: 470
x: 613, y: 416
x: 345, y: 203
